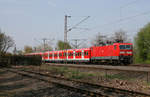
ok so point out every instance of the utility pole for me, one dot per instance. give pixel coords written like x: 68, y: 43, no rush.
x: 66, y: 28
x: 77, y: 44
x: 44, y: 42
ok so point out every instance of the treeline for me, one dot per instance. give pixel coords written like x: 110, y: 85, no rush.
x: 141, y: 45
x: 8, y: 60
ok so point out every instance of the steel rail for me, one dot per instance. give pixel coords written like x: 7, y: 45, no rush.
x: 106, y: 88
x: 73, y: 88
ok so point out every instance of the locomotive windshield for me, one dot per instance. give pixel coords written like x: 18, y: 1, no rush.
x: 125, y: 47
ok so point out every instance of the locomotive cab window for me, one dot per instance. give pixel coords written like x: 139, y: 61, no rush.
x: 125, y: 47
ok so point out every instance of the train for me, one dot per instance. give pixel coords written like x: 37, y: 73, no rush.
x: 116, y: 53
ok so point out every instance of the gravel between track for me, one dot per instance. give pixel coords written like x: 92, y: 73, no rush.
x: 126, y: 68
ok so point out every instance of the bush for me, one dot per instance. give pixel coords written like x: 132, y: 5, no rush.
x: 20, y: 60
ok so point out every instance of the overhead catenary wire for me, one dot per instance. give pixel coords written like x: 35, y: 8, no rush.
x: 129, y: 3
x: 124, y: 19
x: 78, y: 23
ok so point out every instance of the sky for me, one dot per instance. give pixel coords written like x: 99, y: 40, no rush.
x: 29, y: 21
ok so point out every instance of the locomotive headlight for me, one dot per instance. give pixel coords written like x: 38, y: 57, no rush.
x: 129, y: 52
x: 122, y: 52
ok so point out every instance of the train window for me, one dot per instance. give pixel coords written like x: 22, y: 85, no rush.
x: 45, y: 55
x: 64, y: 54
x: 71, y: 54
x: 55, y: 55
x: 50, y: 55
x: 76, y: 54
x: 115, y: 47
x: 60, y: 55
x: 79, y: 53
x: 86, y: 53
x: 128, y: 46
x: 124, y: 47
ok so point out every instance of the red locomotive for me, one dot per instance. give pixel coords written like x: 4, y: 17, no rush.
x: 117, y: 53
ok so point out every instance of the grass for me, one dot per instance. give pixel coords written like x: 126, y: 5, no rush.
x: 69, y: 72
x: 76, y: 75
x: 147, y: 83
x: 119, y: 76
x: 73, y: 73
x: 115, y: 76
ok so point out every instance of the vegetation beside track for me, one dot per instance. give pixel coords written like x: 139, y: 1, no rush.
x: 74, y: 84
x: 8, y: 60
x: 120, y: 79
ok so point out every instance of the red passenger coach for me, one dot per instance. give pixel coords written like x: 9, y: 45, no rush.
x: 82, y: 55
x: 71, y: 55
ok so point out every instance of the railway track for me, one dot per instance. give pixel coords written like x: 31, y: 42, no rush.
x: 140, y: 65
x: 90, y: 89
x: 109, y: 65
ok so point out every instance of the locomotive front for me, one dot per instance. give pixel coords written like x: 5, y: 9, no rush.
x: 126, y: 53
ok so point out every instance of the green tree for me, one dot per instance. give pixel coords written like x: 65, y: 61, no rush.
x: 142, y: 45
x: 28, y: 49
x: 61, y: 45
x: 42, y: 48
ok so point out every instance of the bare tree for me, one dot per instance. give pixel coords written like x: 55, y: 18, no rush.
x: 120, y: 37
x: 99, y: 40
x: 6, y: 42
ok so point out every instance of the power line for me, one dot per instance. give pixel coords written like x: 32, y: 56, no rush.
x: 76, y: 42
x: 66, y: 30
x: 123, y: 19
x: 129, y: 3
x: 124, y: 6
x: 78, y: 23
